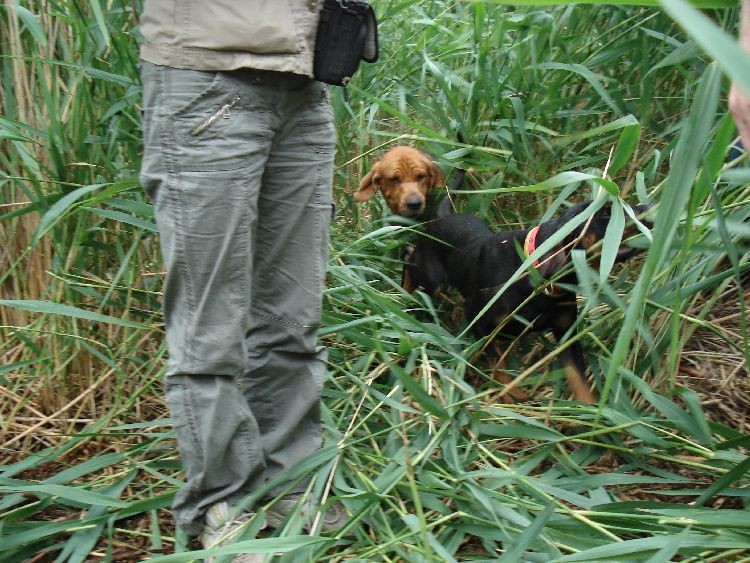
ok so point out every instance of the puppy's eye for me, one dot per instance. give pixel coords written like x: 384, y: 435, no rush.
x: 393, y: 180
x: 420, y: 177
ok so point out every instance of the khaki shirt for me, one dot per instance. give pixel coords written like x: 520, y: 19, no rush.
x: 230, y: 34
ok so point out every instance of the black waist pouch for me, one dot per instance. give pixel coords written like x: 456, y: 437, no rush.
x: 347, y: 34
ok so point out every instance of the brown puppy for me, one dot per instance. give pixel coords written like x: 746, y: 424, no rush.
x: 404, y: 175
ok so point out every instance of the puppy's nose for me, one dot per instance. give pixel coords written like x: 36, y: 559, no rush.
x: 414, y: 203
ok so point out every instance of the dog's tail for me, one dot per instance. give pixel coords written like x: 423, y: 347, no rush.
x: 446, y: 204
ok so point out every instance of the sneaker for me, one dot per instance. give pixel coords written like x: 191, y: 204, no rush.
x: 333, y: 518
x: 221, y: 530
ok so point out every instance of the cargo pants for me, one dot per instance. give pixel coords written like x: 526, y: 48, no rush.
x: 238, y: 166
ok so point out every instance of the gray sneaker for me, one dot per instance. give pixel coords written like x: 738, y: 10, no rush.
x: 333, y: 518
x: 221, y: 530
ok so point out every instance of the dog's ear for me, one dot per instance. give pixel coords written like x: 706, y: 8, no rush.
x: 369, y: 184
x: 436, y: 175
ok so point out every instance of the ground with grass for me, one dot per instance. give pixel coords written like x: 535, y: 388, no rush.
x: 551, y: 105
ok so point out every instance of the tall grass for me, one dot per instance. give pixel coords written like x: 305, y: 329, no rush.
x: 420, y: 448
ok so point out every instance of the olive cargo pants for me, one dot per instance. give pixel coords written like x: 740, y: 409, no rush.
x: 238, y: 166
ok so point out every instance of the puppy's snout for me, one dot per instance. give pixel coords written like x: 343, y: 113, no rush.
x: 414, y: 203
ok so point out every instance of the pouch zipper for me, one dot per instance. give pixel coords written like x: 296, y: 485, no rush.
x: 223, y: 111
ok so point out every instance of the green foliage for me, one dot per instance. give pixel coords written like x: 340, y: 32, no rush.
x: 543, y: 106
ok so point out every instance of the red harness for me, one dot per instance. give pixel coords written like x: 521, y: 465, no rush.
x: 529, y: 246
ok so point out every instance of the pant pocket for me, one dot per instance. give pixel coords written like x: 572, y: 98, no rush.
x: 213, y: 122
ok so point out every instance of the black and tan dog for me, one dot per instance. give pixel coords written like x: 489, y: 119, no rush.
x: 461, y: 251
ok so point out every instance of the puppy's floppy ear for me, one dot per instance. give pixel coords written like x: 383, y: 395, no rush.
x: 436, y: 175
x: 369, y: 184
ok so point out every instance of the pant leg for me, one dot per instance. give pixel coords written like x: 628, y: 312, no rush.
x: 286, y: 366
x: 204, y: 177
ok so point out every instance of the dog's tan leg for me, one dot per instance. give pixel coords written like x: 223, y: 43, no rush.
x: 576, y: 380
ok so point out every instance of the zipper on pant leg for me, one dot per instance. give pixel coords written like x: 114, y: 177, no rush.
x: 223, y: 111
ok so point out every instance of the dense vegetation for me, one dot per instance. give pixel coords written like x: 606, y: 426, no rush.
x: 430, y: 462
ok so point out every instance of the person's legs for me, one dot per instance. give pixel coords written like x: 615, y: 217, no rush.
x: 286, y: 366
x: 207, y: 137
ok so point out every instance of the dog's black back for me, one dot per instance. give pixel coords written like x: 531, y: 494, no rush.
x: 444, y: 254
